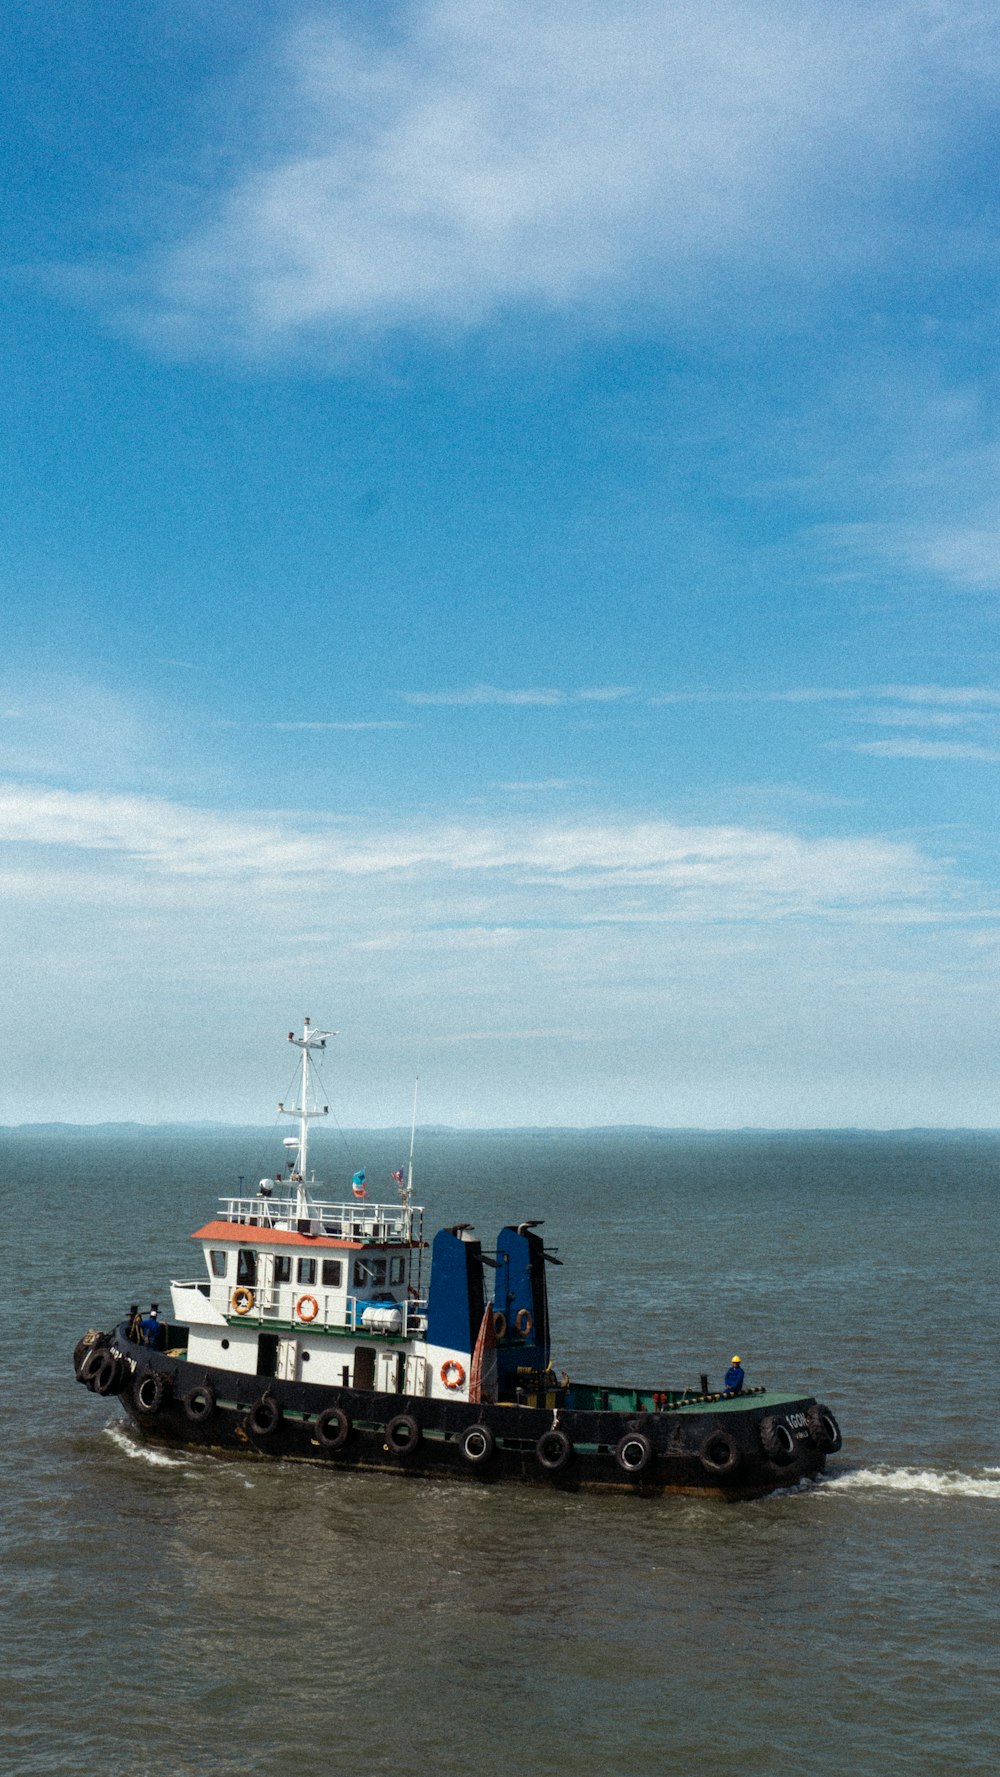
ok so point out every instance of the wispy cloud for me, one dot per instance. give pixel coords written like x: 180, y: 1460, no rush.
x: 544, y: 697
x: 463, y: 160
x: 322, y: 727
x: 927, y: 749
x: 722, y: 871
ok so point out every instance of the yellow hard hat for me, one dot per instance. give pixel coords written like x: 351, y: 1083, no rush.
x: 737, y: 1360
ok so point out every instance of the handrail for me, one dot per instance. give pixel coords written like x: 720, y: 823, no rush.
x: 353, y: 1220
x: 335, y: 1312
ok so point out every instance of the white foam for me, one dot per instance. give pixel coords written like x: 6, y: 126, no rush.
x: 141, y: 1452
x: 949, y: 1483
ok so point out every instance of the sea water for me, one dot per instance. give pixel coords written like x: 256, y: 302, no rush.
x: 172, y: 1615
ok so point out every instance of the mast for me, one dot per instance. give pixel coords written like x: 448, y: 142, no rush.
x: 307, y: 1042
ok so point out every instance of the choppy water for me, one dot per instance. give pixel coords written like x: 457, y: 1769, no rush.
x: 173, y: 1616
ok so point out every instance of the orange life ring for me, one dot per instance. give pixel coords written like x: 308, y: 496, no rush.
x: 307, y: 1302
x: 452, y: 1373
x: 242, y: 1300
x: 500, y: 1324
x: 523, y: 1321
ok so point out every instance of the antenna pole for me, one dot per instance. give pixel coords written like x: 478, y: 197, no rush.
x: 409, y: 1166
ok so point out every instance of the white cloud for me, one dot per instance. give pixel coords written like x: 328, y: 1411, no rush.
x: 449, y: 161
x: 612, y: 867
x: 927, y: 749
x: 323, y: 727
x: 542, y: 696
x: 962, y: 696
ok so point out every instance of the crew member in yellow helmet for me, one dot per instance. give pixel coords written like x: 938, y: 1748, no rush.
x: 735, y: 1377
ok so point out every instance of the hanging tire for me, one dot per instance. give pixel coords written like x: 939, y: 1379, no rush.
x: 108, y: 1375
x: 151, y: 1393
x: 84, y: 1349
x: 402, y: 1434
x: 264, y: 1417
x: 553, y: 1450
x: 332, y: 1429
x: 199, y: 1403
x: 719, y: 1453
x: 634, y: 1453
x: 823, y: 1427
x: 777, y: 1440
x: 478, y: 1445
x: 92, y: 1364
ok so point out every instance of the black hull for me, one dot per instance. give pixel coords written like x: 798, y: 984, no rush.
x: 682, y: 1450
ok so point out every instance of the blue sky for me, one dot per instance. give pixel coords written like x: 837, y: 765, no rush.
x: 501, y: 545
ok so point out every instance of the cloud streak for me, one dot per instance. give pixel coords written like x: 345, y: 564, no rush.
x: 614, y: 868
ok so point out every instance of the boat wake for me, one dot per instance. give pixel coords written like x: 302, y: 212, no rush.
x: 947, y: 1484
x: 129, y: 1446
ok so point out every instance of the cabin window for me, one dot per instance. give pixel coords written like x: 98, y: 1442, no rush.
x: 331, y: 1274
x: 282, y: 1269
x: 307, y: 1271
x: 219, y: 1262
x: 368, y: 1271
x: 396, y: 1267
x: 246, y: 1267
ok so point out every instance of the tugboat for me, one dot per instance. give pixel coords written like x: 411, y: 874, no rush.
x: 317, y: 1335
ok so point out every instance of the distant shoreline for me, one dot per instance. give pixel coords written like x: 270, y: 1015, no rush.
x: 540, y: 1132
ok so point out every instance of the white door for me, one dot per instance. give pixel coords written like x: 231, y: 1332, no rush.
x: 288, y: 1360
x: 265, y: 1280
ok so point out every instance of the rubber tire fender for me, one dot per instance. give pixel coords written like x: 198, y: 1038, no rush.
x: 777, y: 1440
x: 264, y: 1417
x: 332, y: 1429
x: 477, y: 1445
x: 823, y: 1427
x: 719, y: 1452
x: 151, y: 1394
x: 90, y: 1363
x: 90, y: 1342
x: 403, y: 1434
x: 199, y: 1403
x: 108, y: 1376
x: 553, y: 1450
x: 638, y: 1442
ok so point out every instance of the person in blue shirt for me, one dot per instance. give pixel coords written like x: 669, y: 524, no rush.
x: 150, y: 1331
x: 735, y: 1377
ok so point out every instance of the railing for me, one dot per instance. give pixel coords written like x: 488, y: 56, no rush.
x: 339, y: 1221
x: 276, y: 1305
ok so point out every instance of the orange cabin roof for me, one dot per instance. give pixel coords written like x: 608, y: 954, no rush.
x: 250, y: 1236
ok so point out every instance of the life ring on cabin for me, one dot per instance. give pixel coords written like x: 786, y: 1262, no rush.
x: 500, y: 1325
x: 452, y: 1373
x: 304, y: 1303
x: 823, y: 1427
x: 242, y: 1300
x: 523, y: 1321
